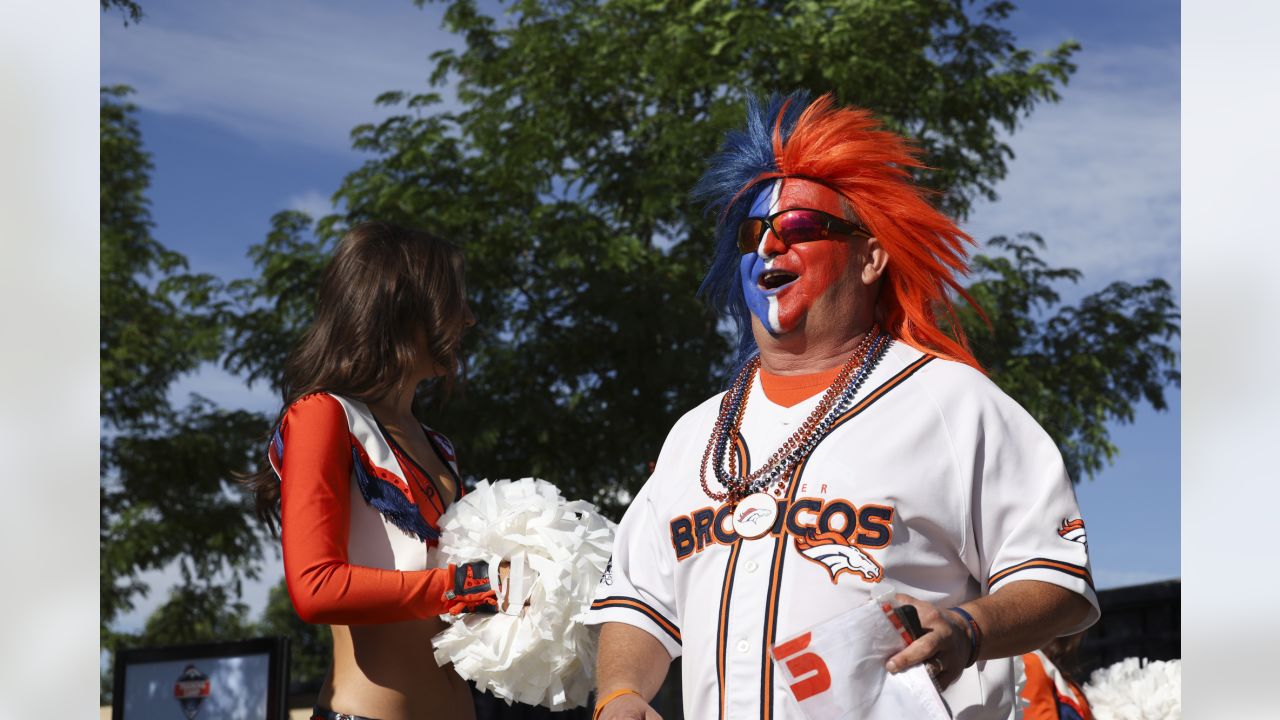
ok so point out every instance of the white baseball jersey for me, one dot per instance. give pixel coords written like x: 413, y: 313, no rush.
x: 934, y: 480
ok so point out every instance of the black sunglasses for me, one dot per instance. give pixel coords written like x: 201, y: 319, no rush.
x: 796, y: 225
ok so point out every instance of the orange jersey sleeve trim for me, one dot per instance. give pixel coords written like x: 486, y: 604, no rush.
x: 1044, y: 564
x: 315, y: 488
x: 630, y: 603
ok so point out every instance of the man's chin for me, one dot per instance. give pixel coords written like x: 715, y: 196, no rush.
x: 785, y: 332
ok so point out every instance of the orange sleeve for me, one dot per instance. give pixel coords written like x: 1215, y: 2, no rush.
x: 1038, y: 692
x: 315, y: 496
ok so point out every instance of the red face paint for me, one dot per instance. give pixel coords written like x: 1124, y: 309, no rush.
x: 781, y: 282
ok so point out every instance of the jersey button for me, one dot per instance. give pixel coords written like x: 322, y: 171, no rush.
x: 742, y: 646
x: 751, y: 566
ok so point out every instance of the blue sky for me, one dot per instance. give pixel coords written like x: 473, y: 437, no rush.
x: 246, y: 109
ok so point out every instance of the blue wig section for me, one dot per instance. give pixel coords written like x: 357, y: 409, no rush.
x: 746, y: 153
x: 388, y: 500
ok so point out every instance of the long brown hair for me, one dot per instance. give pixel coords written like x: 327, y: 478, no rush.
x: 388, y: 295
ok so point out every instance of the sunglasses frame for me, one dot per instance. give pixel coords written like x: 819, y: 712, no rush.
x: 839, y: 226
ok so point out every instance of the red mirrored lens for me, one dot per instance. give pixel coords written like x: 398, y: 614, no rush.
x: 799, y: 226
x: 791, y: 226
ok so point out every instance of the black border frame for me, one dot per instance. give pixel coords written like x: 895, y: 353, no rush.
x: 276, y: 648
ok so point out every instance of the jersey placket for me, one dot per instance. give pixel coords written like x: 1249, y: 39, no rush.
x: 754, y: 580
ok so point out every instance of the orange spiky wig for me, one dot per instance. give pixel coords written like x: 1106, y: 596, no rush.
x: 845, y: 149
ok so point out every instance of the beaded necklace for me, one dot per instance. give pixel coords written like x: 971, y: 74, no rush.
x: 837, y: 399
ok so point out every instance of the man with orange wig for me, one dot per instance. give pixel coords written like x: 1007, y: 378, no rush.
x: 859, y: 446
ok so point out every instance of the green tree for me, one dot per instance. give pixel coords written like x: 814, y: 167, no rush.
x: 1073, y: 368
x: 198, y: 614
x: 309, y: 644
x: 565, y: 171
x: 167, y: 492
x: 131, y: 10
x: 167, y: 496
x: 274, y: 307
x: 152, y: 327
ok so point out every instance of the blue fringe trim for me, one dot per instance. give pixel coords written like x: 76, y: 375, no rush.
x: 388, y: 500
x: 277, y: 444
x: 380, y: 494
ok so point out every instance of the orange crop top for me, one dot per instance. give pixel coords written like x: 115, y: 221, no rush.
x: 359, y: 519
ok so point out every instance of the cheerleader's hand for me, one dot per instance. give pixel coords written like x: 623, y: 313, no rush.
x: 504, y: 571
x: 471, y: 591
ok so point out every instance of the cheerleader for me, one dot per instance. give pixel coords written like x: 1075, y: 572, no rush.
x: 358, y: 484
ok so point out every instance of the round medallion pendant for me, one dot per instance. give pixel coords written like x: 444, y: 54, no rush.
x: 754, y: 516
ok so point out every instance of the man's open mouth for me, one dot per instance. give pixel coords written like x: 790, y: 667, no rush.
x: 774, y: 279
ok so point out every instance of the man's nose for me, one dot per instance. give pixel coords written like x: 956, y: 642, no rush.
x: 771, y: 245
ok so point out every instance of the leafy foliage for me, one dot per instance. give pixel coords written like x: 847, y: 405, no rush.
x: 171, y: 499
x: 131, y: 10
x: 1072, y: 368
x: 565, y: 175
x: 274, y: 307
x: 166, y: 496
x: 155, y: 321
x: 309, y: 644
x: 198, y: 615
x: 166, y: 492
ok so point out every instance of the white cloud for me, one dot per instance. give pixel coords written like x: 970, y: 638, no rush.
x: 312, y: 202
x: 1098, y: 174
x: 289, y: 71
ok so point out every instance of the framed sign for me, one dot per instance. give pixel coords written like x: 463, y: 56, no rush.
x: 239, y: 680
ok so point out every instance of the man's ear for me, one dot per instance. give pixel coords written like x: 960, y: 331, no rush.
x: 874, y: 261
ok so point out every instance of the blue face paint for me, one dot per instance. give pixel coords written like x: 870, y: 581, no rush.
x: 749, y: 270
x: 753, y: 265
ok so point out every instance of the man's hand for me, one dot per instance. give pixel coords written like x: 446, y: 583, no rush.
x: 628, y: 707
x: 1019, y: 617
x: 944, y: 644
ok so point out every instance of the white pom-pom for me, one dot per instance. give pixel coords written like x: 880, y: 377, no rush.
x: 543, y: 654
x: 1136, y: 690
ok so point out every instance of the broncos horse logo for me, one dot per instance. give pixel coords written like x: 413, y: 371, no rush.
x: 1073, y: 530
x: 833, y: 551
x: 751, y: 516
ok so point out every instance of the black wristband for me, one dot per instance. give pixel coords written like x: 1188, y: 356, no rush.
x: 975, y: 634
